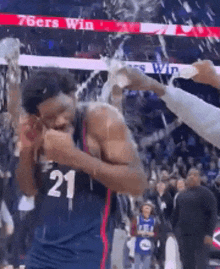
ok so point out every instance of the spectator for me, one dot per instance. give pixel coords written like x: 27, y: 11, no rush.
x: 191, y: 144
x: 123, y: 215
x: 164, y: 206
x: 164, y: 200
x: 158, y: 153
x: 172, y: 186
x: 194, y: 220
x: 165, y: 165
x: 214, y: 156
x: 150, y: 193
x: 175, y: 171
x: 182, y: 150
x: 170, y: 148
x: 181, y: 167
x: 206, y: 158
x: 212, y: 173
x: 190, y: 163
x: 181, y: 186
x: 144, y: 228
x: 164, y: 176
x: 204, y: 179
x: 153, y: 170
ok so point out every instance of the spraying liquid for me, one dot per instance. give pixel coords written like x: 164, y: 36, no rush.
x: 10, y: 48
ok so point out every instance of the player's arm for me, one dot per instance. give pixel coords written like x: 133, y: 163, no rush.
x: 26, y: 166
x: 202, y: 117
x: 25, y: 172
x: 30, y: 131
x: 121, y: 169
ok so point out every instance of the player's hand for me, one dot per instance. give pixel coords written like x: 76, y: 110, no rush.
x: 206, y: 73
x: 208, y: 240
x: 59, y: 147
x: 30, y: 132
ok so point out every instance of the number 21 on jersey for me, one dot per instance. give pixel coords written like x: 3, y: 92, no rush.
x: 60, y: 177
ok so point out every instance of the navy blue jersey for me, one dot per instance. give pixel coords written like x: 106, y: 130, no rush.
x: 72, y: 230
x: 144, y: 245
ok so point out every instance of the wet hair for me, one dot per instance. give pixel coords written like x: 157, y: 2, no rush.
x: 45, y: 84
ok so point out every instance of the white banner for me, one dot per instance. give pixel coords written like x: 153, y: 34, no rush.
x: 92, y: 64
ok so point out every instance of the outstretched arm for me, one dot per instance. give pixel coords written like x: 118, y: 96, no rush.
x: 202, y: 117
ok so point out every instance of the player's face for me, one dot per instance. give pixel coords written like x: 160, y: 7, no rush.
x: 58, y: 112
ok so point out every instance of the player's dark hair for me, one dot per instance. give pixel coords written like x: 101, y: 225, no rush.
x: 45, y: 84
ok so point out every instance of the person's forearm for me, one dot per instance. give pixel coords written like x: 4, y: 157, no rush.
x: 25, y: 172
x: 119, y: 178
x: 202, y: 117
x: 14, y: 105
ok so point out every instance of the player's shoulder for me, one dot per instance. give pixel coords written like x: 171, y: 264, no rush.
x: 101, y: 113
x: 104, y: 110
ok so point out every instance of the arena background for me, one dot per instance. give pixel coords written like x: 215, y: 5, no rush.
x: 161, y: 38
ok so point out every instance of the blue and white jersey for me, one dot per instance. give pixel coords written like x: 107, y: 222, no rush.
x: 144, y: 245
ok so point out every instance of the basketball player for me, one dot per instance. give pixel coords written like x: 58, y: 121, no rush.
x: 202, y: 117
x: 87, y: 154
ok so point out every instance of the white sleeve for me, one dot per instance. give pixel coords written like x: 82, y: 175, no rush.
x: 200, y: 116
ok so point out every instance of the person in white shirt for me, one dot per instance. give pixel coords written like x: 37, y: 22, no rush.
x: 200, y: 116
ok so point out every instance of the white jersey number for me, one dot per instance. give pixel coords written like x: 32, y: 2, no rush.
x: 69, y: 177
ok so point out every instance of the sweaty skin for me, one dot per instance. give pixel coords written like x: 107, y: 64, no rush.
x: 107, y: 137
